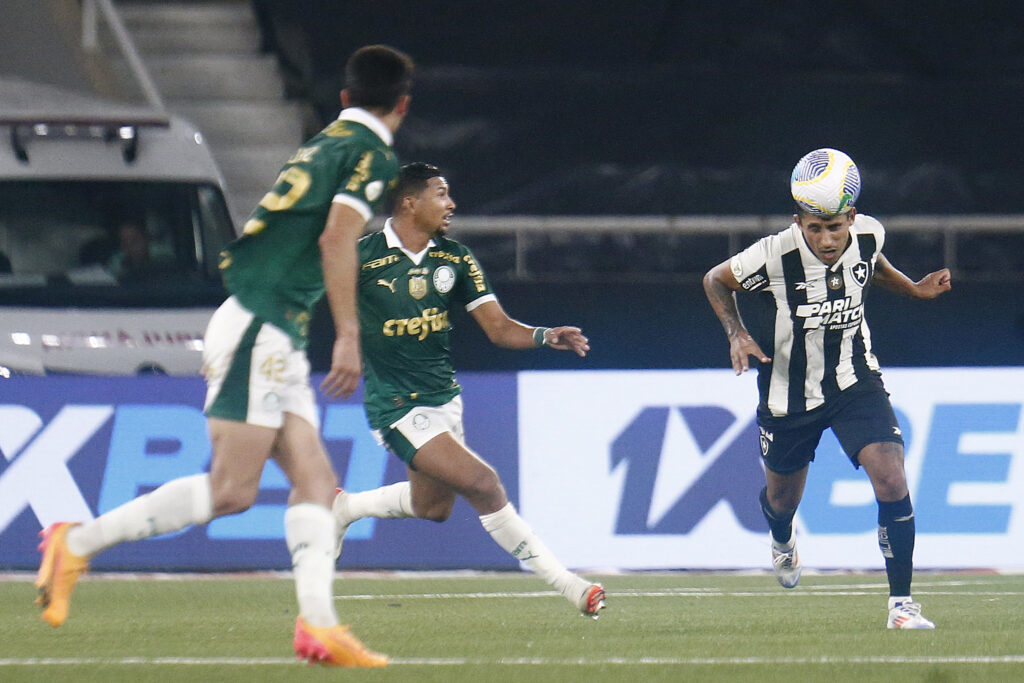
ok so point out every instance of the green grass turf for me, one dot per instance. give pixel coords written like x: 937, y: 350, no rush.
x: 510, y: 627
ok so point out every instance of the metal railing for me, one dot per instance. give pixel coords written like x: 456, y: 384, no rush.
x: 91, y: 11
x: 526, y: 234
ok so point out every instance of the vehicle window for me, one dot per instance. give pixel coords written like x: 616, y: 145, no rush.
x: 118, y: 239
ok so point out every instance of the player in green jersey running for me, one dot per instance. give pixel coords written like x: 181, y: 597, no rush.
x: 299, y: 243
x: 411, y: 275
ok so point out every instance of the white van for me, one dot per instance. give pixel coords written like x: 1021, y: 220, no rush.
x: 111, y: 222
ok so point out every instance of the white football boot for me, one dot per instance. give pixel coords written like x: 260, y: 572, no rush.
x: 786, y: 561
x: 905, y: 613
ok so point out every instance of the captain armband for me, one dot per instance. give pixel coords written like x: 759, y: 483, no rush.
x: 539, y: 338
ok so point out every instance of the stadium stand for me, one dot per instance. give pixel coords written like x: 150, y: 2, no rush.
x: 686, y: 108
x: 624, y: 112
x: 690, y: 109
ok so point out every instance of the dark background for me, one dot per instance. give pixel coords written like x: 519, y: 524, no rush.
x: 669, y: 107
x: 674, y: 108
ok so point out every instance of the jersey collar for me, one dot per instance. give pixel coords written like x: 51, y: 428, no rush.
x: 395, y: 243
x: 360, y: 115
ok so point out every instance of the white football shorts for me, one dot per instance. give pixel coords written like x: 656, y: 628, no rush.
x: 253, y: 371
x: 420, y: 425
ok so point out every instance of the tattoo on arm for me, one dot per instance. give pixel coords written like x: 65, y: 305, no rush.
x: 723, y: 301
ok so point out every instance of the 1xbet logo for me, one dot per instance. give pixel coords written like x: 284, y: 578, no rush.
x: 38, y: 474
x: 148, y: 446
x: 702, y: 451
x: 682, y: 462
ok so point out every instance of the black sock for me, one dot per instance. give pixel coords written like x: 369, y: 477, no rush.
x: 896, y: 540
x: 780, y: 524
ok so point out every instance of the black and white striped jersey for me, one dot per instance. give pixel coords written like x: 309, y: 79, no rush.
x: 812, y: 315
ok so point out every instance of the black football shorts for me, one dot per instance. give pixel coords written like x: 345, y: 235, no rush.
x: 859, y: 416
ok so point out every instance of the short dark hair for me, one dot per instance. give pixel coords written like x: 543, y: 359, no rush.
x: 802, y: 211
x: 412, y: 179
x: 377, y: 76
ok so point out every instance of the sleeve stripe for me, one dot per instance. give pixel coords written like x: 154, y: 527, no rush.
x: 480, y: 300
x: 348, y: 200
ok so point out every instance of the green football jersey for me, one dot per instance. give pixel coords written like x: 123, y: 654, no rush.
x: 403, y: 316
x: 274, y: 268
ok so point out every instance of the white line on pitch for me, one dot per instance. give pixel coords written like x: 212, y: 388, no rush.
x: 518, y: 661
x: 633, y: 593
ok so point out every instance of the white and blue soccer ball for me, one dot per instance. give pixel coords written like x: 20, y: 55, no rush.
x: 825, y: 182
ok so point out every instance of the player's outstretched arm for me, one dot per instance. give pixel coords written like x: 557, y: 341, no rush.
x: 928, y: 287
x: 340, y: 263
x: 507, y: 333
x: 720, y: 286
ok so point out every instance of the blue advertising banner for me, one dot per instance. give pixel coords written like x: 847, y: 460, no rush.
x: 75, y: 447
x: 613, y: 469
x: 662, y: 469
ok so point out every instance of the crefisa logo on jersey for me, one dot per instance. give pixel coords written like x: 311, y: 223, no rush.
x: 444, y: 279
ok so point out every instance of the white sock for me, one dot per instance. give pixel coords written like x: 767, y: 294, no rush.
x: 172, y: 507
x: 309, y: 532
x: 512, y: 533
x: 386, y: 502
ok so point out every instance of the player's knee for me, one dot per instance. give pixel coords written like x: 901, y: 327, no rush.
x: 230, y: 507
x: 232, y: 500
x: 890, y: 485
x: 887, y: 474
x: 433, y: 505
x: 485, y: 484
x: 437, y: 512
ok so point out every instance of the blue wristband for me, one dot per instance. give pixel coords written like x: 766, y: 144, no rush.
x: 538, y: 335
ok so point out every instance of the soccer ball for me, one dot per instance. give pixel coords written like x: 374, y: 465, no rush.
x: 825, y: 182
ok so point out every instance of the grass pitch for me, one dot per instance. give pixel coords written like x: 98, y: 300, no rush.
x: 508, y: 626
